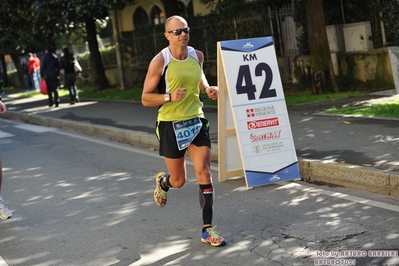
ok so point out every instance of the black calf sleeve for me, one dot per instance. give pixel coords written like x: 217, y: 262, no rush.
x: 206, y: 202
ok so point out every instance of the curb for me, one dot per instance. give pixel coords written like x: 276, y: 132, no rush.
x: 313, y: 171
x: 350, y: 176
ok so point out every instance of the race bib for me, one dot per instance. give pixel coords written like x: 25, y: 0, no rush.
x: 186, y: 131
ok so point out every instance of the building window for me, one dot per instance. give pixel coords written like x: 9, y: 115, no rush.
x: 140, y: 18
x: 157, y: 16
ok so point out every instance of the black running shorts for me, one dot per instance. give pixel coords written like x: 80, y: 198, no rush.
x: 167, y: 139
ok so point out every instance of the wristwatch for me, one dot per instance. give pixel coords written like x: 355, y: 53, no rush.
x: 167, y: 97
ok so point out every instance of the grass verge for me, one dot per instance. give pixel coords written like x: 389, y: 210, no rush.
x: 390, y: 109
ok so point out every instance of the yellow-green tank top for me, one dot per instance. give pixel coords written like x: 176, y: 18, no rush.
x: 181, y: 74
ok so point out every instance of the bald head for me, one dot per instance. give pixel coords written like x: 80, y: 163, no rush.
x: 172, y: 20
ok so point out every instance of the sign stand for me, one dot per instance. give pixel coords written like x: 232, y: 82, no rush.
x: 229, y: 161
x: 254, y: 134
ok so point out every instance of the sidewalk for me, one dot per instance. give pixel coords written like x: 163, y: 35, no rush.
x: 354, y: 152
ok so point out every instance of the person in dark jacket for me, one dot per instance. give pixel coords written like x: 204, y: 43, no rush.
x: 50, y: 72
x: 68, y: 64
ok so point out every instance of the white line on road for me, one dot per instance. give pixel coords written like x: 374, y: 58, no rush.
x: 2, y: 262
x: 125, y: 147
x: 5, y: 135
x: 34, y: 128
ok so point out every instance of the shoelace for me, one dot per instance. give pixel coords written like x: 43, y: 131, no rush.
x: 212, y: 232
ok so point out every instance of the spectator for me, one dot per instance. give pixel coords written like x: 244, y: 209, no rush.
x: 68, y: 64
x: 37, y: 67
x: 33, y: 69
x: 50, y: 72
x: 25, y: 74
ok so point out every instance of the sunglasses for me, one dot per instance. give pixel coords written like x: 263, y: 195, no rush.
x: 179, y: 31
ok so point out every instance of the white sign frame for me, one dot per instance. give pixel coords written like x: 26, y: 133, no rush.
x: 254, y: 133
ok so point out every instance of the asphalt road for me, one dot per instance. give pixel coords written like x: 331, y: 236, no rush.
x: 81, y: 200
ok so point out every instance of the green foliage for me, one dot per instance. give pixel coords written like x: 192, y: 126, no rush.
x: 44, y: 22
x: 108, y: 55
x: 68, y: 17
x: 129, y: 94
x: 15, y: 26
x: 76, y: 35
x: 390, y: 109
x: 390, y: 13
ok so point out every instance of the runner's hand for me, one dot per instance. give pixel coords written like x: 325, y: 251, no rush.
x: 177, y: 95
x: 213, y: 92
x: 2, y: 108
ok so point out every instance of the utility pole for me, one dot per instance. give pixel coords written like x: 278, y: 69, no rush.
x: 119, y: 60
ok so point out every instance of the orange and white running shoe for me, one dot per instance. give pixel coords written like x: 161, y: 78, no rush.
x: 160, y: 196
x: 210, y: 236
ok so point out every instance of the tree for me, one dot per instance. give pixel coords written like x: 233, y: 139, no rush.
x: 320, y: 59
x: 17, y: 34
x: 66, y: 14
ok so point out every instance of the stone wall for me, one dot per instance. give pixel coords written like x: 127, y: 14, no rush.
x: 368, y: 69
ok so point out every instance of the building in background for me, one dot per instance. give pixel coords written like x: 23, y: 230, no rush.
x: 150, y: 13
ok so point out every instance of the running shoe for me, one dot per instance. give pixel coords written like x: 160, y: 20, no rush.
x: 159, y: 194
x: 210, y: 236
x: 5, y: 213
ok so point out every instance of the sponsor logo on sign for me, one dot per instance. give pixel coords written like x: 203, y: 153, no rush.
x: 261, y: 111
x: 274, y: 178
x: 265, y: 136
x: 257, y: 149
x: 270, y: 147
x: 247, y: 45
x: 262, y: 123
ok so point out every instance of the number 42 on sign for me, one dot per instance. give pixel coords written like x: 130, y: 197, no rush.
x: 254, y: 133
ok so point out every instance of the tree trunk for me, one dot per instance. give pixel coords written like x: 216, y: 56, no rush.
x: 96, y: 64
x: 320, y: 58
x: 17, y: 64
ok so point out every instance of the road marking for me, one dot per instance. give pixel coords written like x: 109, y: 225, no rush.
x: 378, y: 204
x: 28, y: 127
x: 34, y: 128
x: 2, y: 262
x: 5, y: 135
x: 109, y: 143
